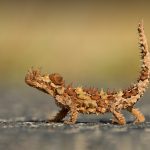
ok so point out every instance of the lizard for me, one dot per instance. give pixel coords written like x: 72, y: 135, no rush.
x: 77, y: 100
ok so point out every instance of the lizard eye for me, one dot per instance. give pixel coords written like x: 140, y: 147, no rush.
x: 56, y: 79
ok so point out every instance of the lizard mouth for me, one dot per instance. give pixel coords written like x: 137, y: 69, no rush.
x: 32, y: 75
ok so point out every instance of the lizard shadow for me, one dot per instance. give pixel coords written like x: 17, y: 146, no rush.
x: 85, y: 121
x: 104, y: 121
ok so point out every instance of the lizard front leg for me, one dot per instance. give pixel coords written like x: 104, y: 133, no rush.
x: 60, y: 115
x: 138, y: 115
x: 73, y: 115
x: 120, y: 119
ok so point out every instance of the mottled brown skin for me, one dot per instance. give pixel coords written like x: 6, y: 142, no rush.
x: 92, y: 101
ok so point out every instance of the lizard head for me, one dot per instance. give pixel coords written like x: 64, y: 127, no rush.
x: 45, y: 82
x: 52, y: 84
x: 34, y: 75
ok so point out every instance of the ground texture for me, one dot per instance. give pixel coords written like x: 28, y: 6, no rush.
x: 37, y: 135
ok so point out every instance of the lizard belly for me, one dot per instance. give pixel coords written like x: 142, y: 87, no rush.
x: 87, y: 110
x: 86, y: 106
x: 90, y: 107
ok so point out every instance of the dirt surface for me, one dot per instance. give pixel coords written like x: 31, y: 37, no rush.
x: 37, y: 134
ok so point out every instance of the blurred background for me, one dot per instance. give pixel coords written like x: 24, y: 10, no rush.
x: 90, y: 43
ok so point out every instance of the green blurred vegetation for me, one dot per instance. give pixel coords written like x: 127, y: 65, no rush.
x: 89, y: 43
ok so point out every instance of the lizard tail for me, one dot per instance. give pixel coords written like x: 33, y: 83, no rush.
x: 143, y: 80
x: 137, y: 90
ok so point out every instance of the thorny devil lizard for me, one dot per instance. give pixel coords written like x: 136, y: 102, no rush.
x: 91, y: 101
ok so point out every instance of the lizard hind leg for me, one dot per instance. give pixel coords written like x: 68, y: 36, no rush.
x: 120, y: 119
x: 138, y: 115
